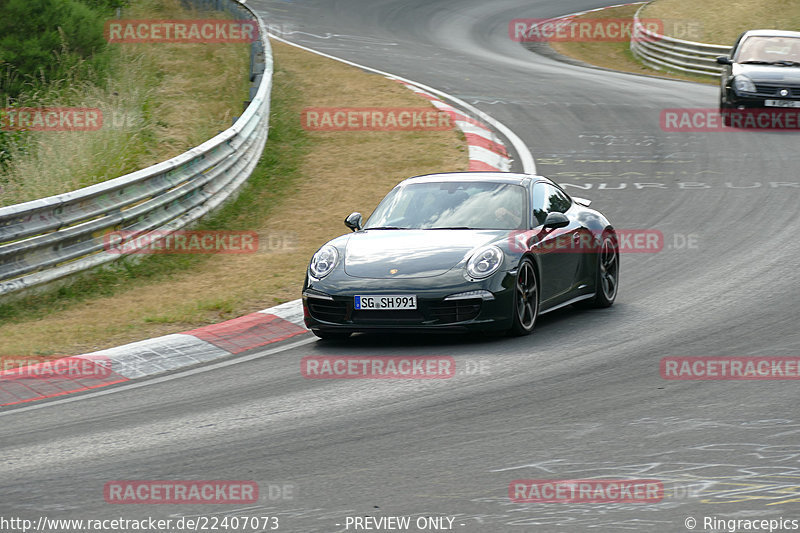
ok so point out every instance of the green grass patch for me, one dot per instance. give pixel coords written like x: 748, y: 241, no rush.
x: 271, y: 180
x: 157, y: 101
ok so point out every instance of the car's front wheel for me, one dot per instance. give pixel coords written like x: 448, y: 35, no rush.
x: 526, y: 299
x: 725, y: 112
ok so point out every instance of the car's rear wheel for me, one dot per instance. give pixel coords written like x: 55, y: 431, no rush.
x: 526, y: 299
x: 607, y: 276
x: 331, y: 335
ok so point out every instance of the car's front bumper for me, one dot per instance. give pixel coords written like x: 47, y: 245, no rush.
x: 735, y: 100
x: 328, y: 305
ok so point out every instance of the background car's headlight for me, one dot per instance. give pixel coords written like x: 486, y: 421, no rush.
x: 323, y: 261
x: 744, y: 84
x: 485, y: 262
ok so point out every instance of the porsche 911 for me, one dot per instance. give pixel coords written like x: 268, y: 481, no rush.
x: 468, y: 251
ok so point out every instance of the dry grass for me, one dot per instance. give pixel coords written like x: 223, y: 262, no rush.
x: 615, y: 55
x: 160, y: 100
x: 710, y: 21
x: 342, y: 172
x: 722, y: 21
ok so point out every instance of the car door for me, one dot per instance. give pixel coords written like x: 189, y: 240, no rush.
x: 558, y: 250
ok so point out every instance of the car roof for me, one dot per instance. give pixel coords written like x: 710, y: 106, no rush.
x: 487, y: 176
x: 771, y: 33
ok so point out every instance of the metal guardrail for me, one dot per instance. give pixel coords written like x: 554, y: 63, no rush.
x: 48, y: 239
x: 662, y: 52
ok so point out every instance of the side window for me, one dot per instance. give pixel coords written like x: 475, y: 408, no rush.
x: 539, y: 203
x: 548, y: 199
x: 558, y: 200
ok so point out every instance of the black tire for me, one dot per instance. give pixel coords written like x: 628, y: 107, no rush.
x: 607, y: 276
x: 726, y: 110
x: 726, y: 115
x: 526, y: 300
x: 331, y: 335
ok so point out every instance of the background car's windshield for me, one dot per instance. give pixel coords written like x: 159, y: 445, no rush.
x: 769, y: 49
x: 478, y: 205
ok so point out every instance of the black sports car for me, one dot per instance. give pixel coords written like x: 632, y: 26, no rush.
x: 462, y: 251
x: 763, y: 71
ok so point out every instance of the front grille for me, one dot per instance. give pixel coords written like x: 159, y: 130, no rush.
x: 772, y: 90
x: 327, y: 311
x: 448, y: 312
x: 388, y: 317
x: 440, y: 312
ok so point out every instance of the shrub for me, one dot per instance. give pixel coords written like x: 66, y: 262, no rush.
x: 41, y: 40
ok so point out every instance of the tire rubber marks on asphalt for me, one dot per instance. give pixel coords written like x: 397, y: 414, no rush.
x: 756, y: 473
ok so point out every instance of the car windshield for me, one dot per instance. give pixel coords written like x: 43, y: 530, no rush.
x: 451, y: 205
x: 769, y: 50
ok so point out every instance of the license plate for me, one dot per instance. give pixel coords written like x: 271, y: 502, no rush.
x: 782, y: 103
x: 381, y: 302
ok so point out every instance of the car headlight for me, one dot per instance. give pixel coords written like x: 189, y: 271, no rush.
x: 323, y: 261
x: 485, y: 262
x: 744, y: 84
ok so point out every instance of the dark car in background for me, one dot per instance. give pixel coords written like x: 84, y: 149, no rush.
x: 462, y: 251
x: 763, y: 71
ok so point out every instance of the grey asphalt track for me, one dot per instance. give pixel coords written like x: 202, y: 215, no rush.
x: 580, y: 398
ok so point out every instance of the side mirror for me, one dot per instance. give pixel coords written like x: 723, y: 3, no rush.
x: 353, y: 221
x: 724, y: 60
x: 556, y: 220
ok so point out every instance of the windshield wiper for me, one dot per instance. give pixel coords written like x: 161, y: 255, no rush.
x: 755, y: 62
x: 386, y: 227
x: 453, y: 227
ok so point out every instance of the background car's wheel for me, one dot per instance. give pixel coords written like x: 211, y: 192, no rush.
x: 526, y: 299
x: 331, y: 335
x: 725, y: 111
x: 607, y: 276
